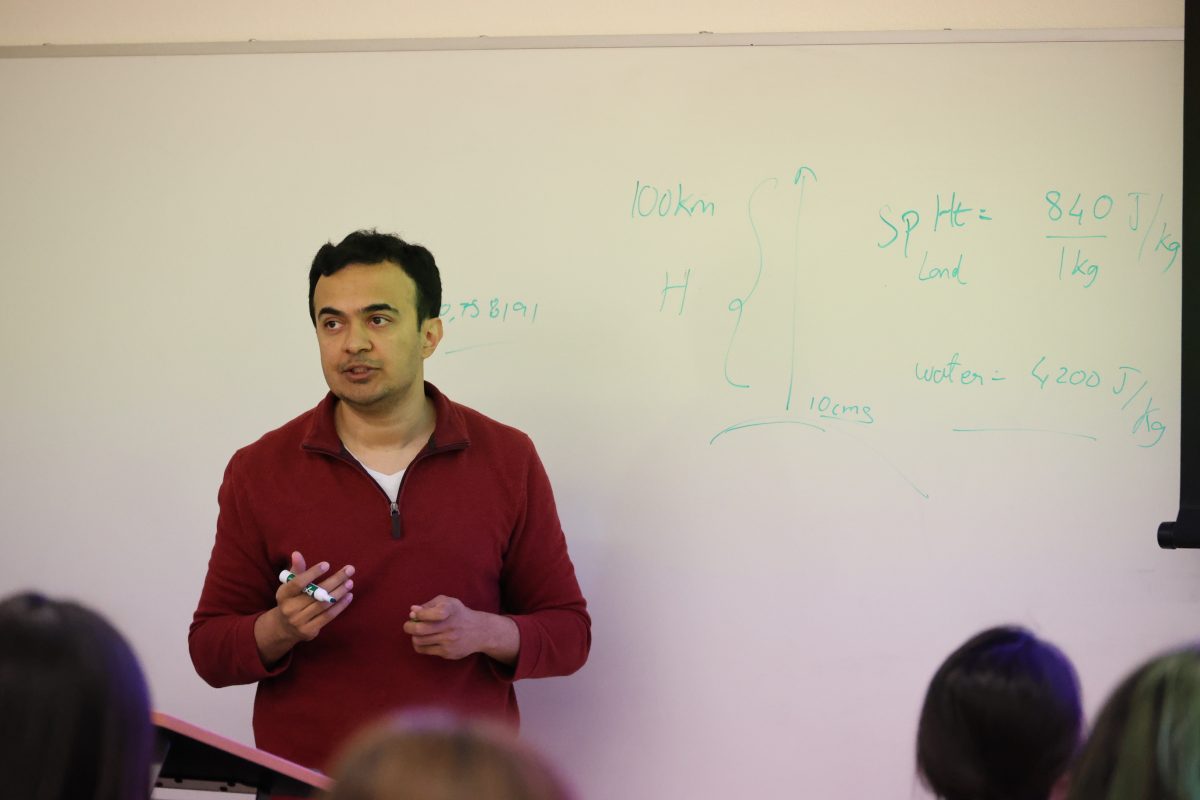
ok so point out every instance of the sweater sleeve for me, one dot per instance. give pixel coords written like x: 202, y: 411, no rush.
x: 238, y: 589
x: 539, y: 590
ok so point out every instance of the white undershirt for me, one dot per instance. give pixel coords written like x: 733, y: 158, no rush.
x: 389, y: 483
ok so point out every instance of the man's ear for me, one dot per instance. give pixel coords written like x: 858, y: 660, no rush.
x: 431, y: 334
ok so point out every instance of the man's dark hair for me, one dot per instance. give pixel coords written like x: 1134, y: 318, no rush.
x: 74, y: 698
x: 372, y: 247
x: 1001, y: 721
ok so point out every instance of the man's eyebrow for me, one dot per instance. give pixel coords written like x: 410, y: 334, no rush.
x: 371, y: 309
x: 380, y: 307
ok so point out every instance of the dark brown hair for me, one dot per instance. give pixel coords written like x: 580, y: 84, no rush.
x: 74, y: 700
x: 1001, y: 720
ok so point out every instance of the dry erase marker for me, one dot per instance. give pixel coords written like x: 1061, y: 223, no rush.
x: 312, y: 590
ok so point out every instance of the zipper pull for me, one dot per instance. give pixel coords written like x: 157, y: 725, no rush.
x: 395, y: 512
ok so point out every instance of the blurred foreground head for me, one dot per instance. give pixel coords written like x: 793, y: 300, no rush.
x: 437, y: 756
x: 1002, y: 719
x: 1145, y: 744
x: 74, y: 702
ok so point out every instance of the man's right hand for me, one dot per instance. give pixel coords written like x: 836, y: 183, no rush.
x: 298, y: 617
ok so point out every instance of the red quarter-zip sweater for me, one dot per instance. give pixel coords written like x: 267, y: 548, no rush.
x: 475, y: 520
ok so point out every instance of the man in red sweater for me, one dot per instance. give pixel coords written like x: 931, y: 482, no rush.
x: 453, y: 576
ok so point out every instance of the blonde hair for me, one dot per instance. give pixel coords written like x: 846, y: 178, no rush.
x: 437, y: 756
x: 1146, y: 742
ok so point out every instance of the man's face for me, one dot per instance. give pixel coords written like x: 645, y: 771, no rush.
x: 372, y: 351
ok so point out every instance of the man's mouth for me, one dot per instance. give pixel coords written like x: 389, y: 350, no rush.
x: 357, y: 370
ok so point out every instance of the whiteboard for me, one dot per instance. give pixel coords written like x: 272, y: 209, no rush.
x: 834, y: 354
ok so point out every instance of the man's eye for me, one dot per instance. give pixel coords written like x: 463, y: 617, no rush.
x: 379, y: 320
x: 331, y: 324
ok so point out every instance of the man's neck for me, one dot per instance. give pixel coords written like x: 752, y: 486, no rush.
x: 405, y: 425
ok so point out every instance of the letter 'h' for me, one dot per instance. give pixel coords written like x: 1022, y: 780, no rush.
x: 687, y: 276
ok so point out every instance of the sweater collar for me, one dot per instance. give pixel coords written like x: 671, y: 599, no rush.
x: 449, y: 432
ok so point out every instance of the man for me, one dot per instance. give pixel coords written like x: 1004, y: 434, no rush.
x: 453, y: 578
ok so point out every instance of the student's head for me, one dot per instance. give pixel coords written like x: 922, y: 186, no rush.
x: 74, y: 704
x: 1001, y: 720
x: 435, y: 756
x: 1145, y: 744
x: 371, y: 247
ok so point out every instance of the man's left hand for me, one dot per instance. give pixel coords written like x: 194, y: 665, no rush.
x: 445, y: 627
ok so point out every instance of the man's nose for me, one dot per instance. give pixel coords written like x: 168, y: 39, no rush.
x: 357, y: 339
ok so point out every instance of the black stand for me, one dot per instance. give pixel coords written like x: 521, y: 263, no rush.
x: 1185, y: 530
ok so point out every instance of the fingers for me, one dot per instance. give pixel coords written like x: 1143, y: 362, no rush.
x: 441, y: 627
x: 303, y: 615
x: 433, y: 617
x: 444, y: 645
x: 306, y: 607
x: 332, y: 612
x: 300, y: 612
x: 415, y: 629
x: 434, y: 639
x: 307, y: 616
x: 295, y: 587
x: 438, y: 609
x: 339, y: 578
x: 322, y: 615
